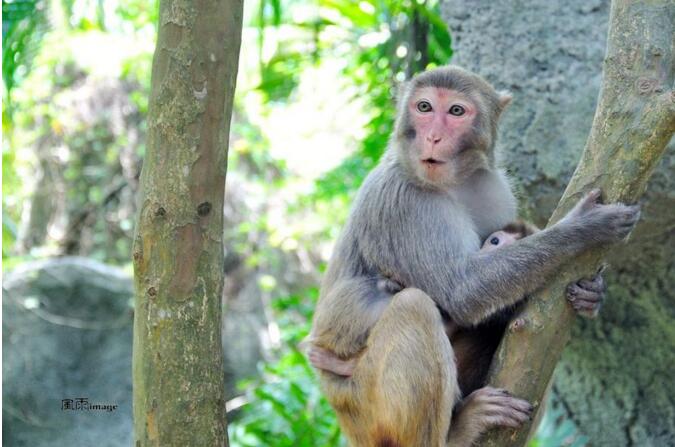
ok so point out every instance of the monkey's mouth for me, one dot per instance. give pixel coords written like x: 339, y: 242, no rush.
x: 432, y: 162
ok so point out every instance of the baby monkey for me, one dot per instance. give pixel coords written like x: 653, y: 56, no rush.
x: 326, y: 360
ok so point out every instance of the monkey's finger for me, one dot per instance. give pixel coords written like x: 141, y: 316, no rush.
x: 509, y: 404
x: 504, y: 398
x: 501, y: 395
x: 321, y: 351
x: 319, y: 358
x: 484, y: 394
x: 577, y: 293
x: 315, y: 359
x: 502, y: 421
x: 586, y: 305
x: 496, y: 391
x: 587, y: 309
x: 628, y: 215
x: 596, y: 284
x: 506, y: 411
x: 513, y: 403
x: 591, y: 198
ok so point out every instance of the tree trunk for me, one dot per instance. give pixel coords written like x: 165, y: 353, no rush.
x: 178, y: 248
x: 615, y: 374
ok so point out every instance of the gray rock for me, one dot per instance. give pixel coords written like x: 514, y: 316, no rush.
x: 67, y: 334
x: 67, y: 331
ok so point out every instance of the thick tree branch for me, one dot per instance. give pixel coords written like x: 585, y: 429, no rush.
x: 634, y: 121
x: 179, y: 394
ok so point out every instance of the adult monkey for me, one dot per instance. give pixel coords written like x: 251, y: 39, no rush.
x: 419, y: 220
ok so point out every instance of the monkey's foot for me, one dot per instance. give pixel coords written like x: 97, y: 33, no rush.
x: 587, y: 295
x: 495, y: 406
x: 326, y: 360
x: 484, y: 408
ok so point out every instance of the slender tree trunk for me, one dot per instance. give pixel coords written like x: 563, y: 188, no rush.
x: 634, y: 122
x: 178, y: 252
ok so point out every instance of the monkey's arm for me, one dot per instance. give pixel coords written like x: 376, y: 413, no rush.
x: 344, y: 315
x: 484, y: 282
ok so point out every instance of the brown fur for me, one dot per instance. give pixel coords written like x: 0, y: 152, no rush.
x: 520, y: 228
x: 412, y: 325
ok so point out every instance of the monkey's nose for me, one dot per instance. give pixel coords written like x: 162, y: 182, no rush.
x: 433, y: 139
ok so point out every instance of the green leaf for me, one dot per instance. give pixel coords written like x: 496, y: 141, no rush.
x: 351, y: 11
x: 280, y: 76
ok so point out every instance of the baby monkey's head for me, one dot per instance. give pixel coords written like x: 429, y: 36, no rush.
x: 508, y: 235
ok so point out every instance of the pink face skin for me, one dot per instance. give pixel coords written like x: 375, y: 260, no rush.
x: 498, y: 239
x: 441, y: 117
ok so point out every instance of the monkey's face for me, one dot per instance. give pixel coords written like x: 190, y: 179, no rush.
x: 443, y: 144
x: 499, y: 239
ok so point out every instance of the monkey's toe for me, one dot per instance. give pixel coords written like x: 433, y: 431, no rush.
x: 595, y: 284
x: 586, y: 296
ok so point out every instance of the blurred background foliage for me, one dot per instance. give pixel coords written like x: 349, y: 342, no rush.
x: 313, y: 111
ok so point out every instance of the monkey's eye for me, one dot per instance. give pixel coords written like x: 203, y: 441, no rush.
x: 494, y: 240
x: 424, y: 106
x: 457, y: 110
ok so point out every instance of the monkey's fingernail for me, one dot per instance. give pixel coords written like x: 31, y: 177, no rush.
x: 595, y: 193
x: 517, y: 324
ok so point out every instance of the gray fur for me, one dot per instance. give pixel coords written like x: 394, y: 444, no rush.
x: 428, y: 236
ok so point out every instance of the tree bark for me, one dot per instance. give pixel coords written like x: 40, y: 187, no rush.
x: 634, y: 122
x: 178, y: 248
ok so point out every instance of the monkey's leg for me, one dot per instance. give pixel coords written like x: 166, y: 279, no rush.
x: 405, y: 385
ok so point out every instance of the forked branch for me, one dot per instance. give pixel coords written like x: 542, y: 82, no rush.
x: 633, y: 124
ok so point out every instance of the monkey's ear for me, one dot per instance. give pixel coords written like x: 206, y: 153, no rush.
x: 505, y: 98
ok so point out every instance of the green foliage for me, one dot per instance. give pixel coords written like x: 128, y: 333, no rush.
x: 556, y: 430
x: 9, y: 183
x: 397, y: 54
x: 380, y: 44
x: 383, y: 43
x: 9, y: 234
x: 280, y: 75
x: 23, y: 26
x: 140, y: 14
x: 26, y: 22
x: 76, y: 135
x: 286, y: 408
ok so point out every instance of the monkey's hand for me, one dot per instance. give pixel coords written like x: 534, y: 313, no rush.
x: 484, y: 408
x: 326, y: 360
x: 390, y: 286
x: 595, y: 223
x: 587, y: 295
